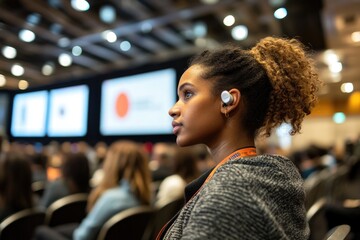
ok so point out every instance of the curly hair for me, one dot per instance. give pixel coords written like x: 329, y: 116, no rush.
x: 276, y: 78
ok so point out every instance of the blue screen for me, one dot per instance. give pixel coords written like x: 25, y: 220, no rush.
x: 68, y: 111
x: 29, y: 112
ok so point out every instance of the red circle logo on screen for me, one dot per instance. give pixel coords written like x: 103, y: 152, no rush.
x: 122, y: 105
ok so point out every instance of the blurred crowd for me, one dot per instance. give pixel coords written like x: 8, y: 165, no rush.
x: 124, y: 174
x: 116, y: 177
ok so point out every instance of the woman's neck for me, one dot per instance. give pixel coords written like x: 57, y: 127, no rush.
x: 224, y: 149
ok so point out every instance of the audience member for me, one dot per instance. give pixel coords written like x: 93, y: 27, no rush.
x: 38, y: 167
x: 185, y: 170
x: 75, y: 177
x: 15, y: 184
x: 161, y: 160
x: 100, y: 150
x: 126, y: 185
x: 204, y: 159
x: 313, y: 162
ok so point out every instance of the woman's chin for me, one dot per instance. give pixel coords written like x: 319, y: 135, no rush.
x: 181, y: 142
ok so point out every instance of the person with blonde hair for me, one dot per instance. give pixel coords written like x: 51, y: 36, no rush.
x: 126, y: 184
x: 227, y: 98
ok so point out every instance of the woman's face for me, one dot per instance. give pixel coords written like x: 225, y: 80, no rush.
x: 196, y: 115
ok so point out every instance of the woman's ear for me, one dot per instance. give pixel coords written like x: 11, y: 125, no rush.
x: 230, y: 100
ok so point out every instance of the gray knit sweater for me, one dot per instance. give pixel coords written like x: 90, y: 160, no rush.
x: 250, y: 198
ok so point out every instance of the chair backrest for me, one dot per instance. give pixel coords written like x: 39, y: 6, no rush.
x: 21, y: 225
x: 316, y: 218
x: 69, y: 209
x: 339, y: 214
x: 127, y: 224
x: 339, y: 232
x: 161, y: 217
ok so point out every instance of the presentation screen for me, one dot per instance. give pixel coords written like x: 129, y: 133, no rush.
x: 29, y: 114
x: 138, y: 104
x: 68, y: 111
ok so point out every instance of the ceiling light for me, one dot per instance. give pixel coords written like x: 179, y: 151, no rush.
x: 48, y: 68
x: 17, y: 70
x: 280, y: 13
x: 330, y: 56
x: 110, y: 36
x: 107, y: 14
x: 125, y: 46
x: 339, y: 117
x: 355, y: 36
x: 9, y: 52
x: 65, y: 59
x: 229, y: 20
x: 239, y: 32
x: 80, y: 5
x: 146, y: 27
x: 33, y: 19
x: 76, y: 51
x: 347, y: 87
x: 335, y: 67
x: 23, y: 84
x: 2, y: 80
x: 64, y: 42
x: 200, y: 29
x: 26, y: 35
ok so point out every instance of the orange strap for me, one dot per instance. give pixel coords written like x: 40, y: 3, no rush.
x: 244, y: 152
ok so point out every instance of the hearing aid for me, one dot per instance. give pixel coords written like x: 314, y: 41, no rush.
x: 226, y: 98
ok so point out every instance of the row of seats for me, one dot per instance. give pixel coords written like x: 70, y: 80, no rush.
x: 142, y: 223
x: 324, y: 215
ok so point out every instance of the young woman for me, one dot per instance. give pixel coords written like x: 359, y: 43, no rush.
x: 15, y: 184
x: 227, y: 98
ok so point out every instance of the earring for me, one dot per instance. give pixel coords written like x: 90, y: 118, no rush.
x: 226, y: 114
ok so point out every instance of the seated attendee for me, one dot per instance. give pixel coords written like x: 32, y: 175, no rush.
x: 161, y: 160
x: 204, y: 159
x: 38, y: 167
x: 185, y: 170
x: 126, y: 184
x: 100, y: 150
x: 15, y: 184
x: 75, y: 177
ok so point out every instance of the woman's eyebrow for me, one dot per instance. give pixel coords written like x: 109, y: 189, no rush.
x: 184, y: 85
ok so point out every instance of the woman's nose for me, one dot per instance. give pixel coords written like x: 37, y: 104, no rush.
x: 174, y: 111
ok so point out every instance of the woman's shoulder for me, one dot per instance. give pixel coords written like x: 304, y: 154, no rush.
x: 174, y: 179
x: 271, y: 163
x: 261, y: 168
x: 120, y: 192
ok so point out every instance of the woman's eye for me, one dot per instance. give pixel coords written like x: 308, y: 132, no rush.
x: 187, y: 94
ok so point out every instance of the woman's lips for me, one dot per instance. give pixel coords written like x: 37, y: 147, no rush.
x: 176, y: 127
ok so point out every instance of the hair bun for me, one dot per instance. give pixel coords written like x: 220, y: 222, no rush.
x: 293, y: 77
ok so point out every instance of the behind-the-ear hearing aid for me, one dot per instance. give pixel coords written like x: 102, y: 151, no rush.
x: 226, y: 97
